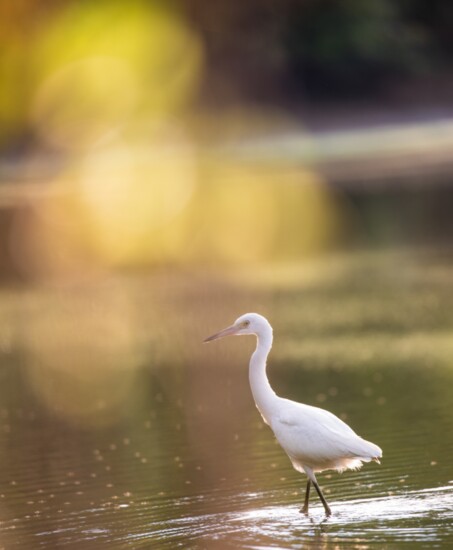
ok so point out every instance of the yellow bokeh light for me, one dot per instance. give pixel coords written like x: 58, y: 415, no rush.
x: 252, y: 214
x: 311, y: 215
x: 131, y: 196
x: 79, y: 105
x: 99, y: 66
x: 239, y: 215
x: 115, y: 207
x: 138, y: 206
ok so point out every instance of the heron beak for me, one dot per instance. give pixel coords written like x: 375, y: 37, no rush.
x: 225, y: 332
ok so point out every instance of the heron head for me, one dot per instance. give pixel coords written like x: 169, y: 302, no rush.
x: 250, y: 323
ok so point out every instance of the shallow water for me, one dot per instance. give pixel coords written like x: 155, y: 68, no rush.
x: 182, y: 459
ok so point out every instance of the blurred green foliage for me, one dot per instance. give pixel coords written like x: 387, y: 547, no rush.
x: 352, y: 47
x: 323, y: 48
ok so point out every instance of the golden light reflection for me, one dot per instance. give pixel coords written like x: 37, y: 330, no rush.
x: 239, y: 215
x: 116, y: 207
x: 141, y: 206
x: 252, y: 214
x: 82, y: 352
x: 311, y: 215
x: 131, y: 196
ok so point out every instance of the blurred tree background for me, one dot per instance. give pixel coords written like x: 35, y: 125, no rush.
x: 294, y: 52
x: 322, y: 49
x: 141, y: 126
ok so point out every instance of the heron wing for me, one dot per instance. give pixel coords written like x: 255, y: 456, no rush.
x: 318, y: 436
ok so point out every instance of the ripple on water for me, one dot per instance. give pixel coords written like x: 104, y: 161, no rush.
x: 417, y: 516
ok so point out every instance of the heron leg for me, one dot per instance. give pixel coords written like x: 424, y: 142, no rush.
x: 311, y: 477
x: 304, y: 510
x: 323, y: 500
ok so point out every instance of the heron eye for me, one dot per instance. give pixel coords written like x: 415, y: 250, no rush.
x: 246, y: 323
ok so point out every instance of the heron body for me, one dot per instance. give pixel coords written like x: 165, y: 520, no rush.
x: 314, y: 439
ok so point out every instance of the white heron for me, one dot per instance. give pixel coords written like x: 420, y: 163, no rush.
x: 314, y: 439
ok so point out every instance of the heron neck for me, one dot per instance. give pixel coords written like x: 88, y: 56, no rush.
x: 263, y: 394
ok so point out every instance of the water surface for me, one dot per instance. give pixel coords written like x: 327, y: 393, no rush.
x: 149, y: 439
